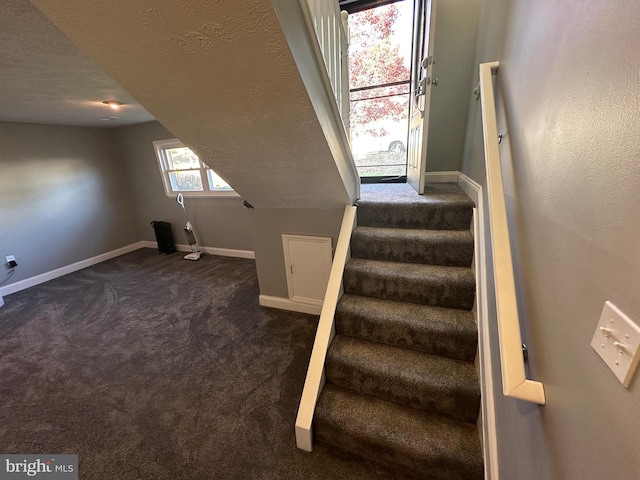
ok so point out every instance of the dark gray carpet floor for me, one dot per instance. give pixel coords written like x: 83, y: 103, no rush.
x: 154, y: 367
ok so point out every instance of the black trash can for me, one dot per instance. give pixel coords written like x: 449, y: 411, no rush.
x: 164, y: 237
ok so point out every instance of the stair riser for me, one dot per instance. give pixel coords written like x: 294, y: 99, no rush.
x: 399, y: 249
x: 436, y: 217
x: 448, y: 293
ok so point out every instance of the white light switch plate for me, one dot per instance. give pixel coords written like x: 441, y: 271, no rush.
x: 617, y: 341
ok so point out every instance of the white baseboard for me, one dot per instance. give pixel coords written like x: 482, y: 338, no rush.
x: 288, y: 304
x: 59, y: 272
x: 441, y: 177
x: 223, y: 252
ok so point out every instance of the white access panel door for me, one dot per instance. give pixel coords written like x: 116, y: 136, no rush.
x: 308, y: 263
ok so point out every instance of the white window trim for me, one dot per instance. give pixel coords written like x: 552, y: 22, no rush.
x: 163, y: 165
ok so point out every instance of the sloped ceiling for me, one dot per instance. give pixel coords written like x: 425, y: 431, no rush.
x: 220, y: 76
x: 45, y: 78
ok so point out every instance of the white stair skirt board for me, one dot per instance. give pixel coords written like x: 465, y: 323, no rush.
x: 488, y: 423
x: 222, y: 252
x: 59, y: 272
x: 471, y: 188
x: 288, y: 304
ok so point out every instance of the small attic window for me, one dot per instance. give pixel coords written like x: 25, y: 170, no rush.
x: 183, y: 172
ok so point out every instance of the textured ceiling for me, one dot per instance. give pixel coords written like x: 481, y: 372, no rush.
x: 220, y: 76
x: 45, y: 78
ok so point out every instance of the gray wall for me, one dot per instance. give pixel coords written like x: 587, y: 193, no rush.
x: 568, y: 95
x: 63, y: 197
x: 267, y: 227
x: 456, y: 27
x: 219, y: 222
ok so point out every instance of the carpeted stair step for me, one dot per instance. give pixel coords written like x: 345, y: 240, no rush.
x: 436, y: 247
x: 432, y: 447
x: 435, y: 285
x: 436, y: 384
x: 446, y: 332
x: 443, y: 207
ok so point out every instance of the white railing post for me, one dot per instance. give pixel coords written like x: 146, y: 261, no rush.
x: 345, y: 95
x: 514, y: 381
x: 332, y: 30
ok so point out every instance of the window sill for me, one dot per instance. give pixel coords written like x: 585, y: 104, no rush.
x: 220, y: 194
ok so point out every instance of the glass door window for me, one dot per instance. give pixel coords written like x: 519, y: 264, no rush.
x: 380, y: 74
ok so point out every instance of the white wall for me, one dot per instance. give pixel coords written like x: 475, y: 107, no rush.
x: 568, y: 95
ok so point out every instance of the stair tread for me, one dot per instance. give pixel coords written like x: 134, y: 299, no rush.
x: 403, y: 194
x: 433, y: 446
x: 446, y: 286
x: 441, y: 247
x: 382, y: 267
x: 462, y: 236
x: 443, y: 206
x: 441, y: 331
x: 421, y: 380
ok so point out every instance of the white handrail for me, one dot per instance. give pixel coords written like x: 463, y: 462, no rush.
x: 514, y: 381
x: 326, y: 331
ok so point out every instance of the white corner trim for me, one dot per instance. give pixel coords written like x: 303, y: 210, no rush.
x: 222, y: 252
x: 59, y: 272
x: 489, y: 435
x: 441, y: 177
x: 1, y: 301
x: 288, y: 304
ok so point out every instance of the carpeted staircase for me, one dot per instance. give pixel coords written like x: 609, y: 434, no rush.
x: 401, y: 387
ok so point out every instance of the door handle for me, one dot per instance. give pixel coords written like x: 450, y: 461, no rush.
x: 420, y: 91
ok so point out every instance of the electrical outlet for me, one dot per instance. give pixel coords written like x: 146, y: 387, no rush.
x: 11, y: 261
x: 617, y: 341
